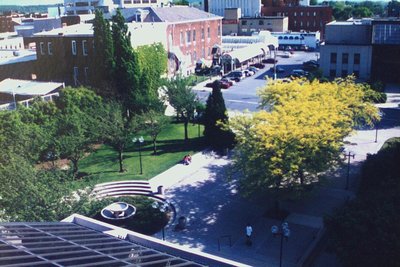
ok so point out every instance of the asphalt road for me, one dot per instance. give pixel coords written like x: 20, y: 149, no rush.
x: 243, y: 95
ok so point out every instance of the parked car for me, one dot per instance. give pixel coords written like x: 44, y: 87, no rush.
x: 236, y: 75
x: 214, y: 70
x: 231, y: 82
x: 253, y: 69
x: 225, y: 84
x: 258, y: 65
x: 287, y: 54
x: 299, y: 73
x: 269, y: 60
x: 279, y: 69
x: 311, y: 62
x: 248, y: 72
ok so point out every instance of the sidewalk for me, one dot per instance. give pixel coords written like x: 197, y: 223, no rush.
x: 217, y: 214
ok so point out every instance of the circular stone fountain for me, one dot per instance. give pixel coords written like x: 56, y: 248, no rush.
x: 118, y: 211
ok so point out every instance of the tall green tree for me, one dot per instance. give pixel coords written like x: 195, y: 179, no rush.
x: 117, y: 129
x: 215, y: 116
x: 153, y: 65
x: 152, y: 122
x: 103, y: 66
x: 127, y: 70
x: 182, y: 98
x: 78, y: 124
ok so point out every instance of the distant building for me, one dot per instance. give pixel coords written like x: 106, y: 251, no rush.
x: 234, y: 24
x: 249, y: 8
x: 188, y: 34
x: 347, y: 49
x: 386, y: 50
x: 191, y: 34
x: 298, y: 40
x: 26, y: 27
x: 307, y: 18
x: 6, y: 21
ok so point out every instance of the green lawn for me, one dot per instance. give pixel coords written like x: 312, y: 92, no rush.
x: 103, y: 166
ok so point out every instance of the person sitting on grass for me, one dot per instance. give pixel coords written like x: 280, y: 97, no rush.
x: 187, y: 159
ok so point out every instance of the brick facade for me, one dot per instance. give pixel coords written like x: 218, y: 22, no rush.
x: 195, y: 39
x: 307, y: 18
x: 64, y: 58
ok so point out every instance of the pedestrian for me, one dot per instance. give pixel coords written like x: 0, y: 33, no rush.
x: 249, y: 231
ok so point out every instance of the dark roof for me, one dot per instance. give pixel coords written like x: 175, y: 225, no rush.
x: 182, y: 14
x: 167, y: 14
x: 70, y: 244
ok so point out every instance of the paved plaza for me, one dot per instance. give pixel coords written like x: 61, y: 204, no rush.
x: 217, y: 214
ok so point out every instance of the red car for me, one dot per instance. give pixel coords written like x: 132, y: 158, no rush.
x: 224, y: 84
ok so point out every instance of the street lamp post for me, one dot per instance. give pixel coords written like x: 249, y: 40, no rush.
x: 283, y: 232
x: 163, y: 208
x: 348, y: 155
x: 139, y: 140
x: 276, y: 49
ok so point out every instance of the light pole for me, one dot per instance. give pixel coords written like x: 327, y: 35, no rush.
x: 284, y: 231
x: 163, y: 208
x: 348, y: 155
x: 275, y: 50
x: 139, y: 140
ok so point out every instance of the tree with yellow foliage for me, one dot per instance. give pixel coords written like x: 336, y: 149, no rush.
x: 298, y: 133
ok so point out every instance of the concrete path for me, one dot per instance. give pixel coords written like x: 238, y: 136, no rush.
x: 217, y: 214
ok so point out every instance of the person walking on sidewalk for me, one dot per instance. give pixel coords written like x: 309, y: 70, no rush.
x: 249, y: 231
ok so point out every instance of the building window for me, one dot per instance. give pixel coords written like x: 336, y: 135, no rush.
x: 84, y: 48
x: 332, y: 73
x: 202, y: 34
x: 75, y: 75
x: 344, y: 73
x: 194, y: 35
x: 295, y: 23
x: 260, y: 22
x: 194, y: 56
x: 295, y: 14
x: 188, y: 37
x: 356, y: 59
x: 308, y: 14
x: 301, y: 13
x: 73, y: 43
x: 208, y: 32
x: 181, y: 40
x: 86, y: 73
x: 301, y: 23
x: 315, y: 14
x: 333, y: 57
x: 50, y: 48
x: 345, y: 58
x: 41, y: 45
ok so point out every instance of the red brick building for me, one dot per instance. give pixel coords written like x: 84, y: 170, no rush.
x: 307, y: 18
x: 191, y: 34
x: 6, y: 22
x: 65, y: 54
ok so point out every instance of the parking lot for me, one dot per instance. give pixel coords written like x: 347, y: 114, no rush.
x: 243, y: 95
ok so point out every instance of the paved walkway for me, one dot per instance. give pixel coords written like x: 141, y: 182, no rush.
x: 216, y: 212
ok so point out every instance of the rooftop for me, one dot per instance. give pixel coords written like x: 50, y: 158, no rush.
x: 83, y: 29
x: 82, y: 241
x: 26, y: 87
x: 168, y: 14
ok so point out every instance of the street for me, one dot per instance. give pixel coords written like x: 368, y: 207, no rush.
x: 243, y: 95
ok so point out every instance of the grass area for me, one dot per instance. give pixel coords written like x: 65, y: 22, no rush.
x: 103, y: 166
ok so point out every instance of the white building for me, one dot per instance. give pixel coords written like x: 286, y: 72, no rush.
x: 298, y: 39
x: 249, y: 8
